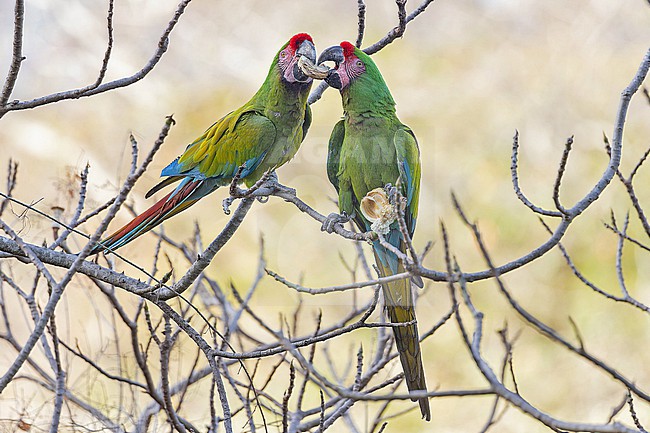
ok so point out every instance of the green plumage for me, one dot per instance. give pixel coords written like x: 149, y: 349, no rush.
x: 261, y: 135
x: 368, y: 149
x: 267, y: 131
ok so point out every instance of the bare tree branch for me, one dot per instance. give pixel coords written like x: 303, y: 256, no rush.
x: 94, y: 88
x: 17, y: 54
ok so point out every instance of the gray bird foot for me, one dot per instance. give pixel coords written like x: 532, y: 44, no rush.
x: 391, y: 192
x: 332, y: 219
x: 226, y: 204
x: 272, y: 177
x: 271, y: 185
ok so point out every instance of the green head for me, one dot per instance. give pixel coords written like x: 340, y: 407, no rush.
x: 357, y: 77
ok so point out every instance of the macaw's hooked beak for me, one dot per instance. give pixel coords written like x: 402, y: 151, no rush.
x: 306, y: 51
x: 332, y: 54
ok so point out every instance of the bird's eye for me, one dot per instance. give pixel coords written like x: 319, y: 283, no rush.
x: 283, y: 54
x: 359, y: 64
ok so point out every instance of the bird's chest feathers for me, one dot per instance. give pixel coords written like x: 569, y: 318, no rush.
x: 288, y: 124
x: 368, y: 158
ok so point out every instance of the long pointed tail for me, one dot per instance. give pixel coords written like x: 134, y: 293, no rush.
x: 399, y: 306
x: 185, y: 195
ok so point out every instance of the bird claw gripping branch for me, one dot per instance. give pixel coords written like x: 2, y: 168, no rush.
x: 332, y: 219
x: 266, y: 186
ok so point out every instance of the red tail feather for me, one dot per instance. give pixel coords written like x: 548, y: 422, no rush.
x: 143, y: 217
x: 170, y: 205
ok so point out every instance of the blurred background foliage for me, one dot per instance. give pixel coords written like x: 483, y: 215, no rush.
x: 465, y: 76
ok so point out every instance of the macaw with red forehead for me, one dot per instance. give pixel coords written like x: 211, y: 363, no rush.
x: 262, y: 135
x: 368, y: 149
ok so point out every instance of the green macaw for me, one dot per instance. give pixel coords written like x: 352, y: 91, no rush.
x: 261, y: 135
x: 369, y: 149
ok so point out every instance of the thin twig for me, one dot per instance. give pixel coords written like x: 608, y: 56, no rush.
x: 93, y: 89
x: 514, y: 174
x: 361, y: 18
x: 560, y: 174
x: 16, y: 55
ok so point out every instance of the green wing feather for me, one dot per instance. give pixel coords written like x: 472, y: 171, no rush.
x: 334, y: 153
x: 306, y: 122
x: 160, y: 185
x: 348, y: 201
x: 239, y: 137
x: 408, y: 159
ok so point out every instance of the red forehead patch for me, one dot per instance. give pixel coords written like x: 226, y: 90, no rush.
x: 298, y: 39
x: 348, y: 49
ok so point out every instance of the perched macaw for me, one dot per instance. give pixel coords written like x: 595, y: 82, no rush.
x: 368, y: 149
x: 263, y: 134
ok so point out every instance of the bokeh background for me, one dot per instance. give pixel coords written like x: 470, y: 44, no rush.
x: 465, y: 76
